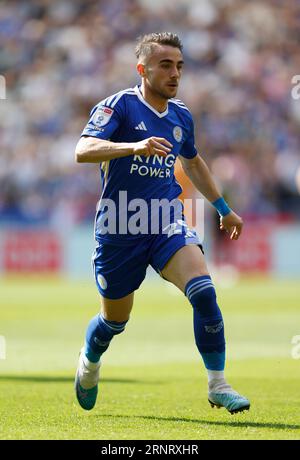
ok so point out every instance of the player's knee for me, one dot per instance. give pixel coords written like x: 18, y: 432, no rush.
x: 100, y: 332
x: 202, y: 295
x: 200, y: 287
x: 119, y: 327
x: 204, y: 301
x: 113, y: 327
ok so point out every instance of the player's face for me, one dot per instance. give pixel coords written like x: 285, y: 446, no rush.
x: 163, y: 71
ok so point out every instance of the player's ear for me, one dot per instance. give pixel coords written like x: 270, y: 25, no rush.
x: 141, y: 69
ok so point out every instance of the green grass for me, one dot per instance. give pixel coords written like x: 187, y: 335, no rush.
x: 153, y: 383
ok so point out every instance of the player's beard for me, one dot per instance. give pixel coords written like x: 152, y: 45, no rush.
x: 164, y: 94
x: 161, y: 91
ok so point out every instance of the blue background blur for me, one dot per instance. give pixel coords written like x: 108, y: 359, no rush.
x: 59, y: 58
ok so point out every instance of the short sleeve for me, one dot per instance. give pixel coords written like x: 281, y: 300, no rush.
x: 188, y: 149
x: 104, y: 122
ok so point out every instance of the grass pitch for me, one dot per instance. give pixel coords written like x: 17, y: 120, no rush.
x: 153, y: 383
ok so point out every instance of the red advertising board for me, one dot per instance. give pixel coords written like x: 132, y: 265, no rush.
x: 252, y: 252
x: 32, y: 251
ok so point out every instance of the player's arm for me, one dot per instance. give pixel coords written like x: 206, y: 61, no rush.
x: 198, y: 172
x: 93, y: 150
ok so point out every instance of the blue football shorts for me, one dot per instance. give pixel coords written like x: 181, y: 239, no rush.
x: 120, y: 270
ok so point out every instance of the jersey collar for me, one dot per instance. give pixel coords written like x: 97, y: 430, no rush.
x: 140, y: 96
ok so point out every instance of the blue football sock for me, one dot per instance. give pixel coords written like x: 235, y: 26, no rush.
x: 208, y: 322
x: 98, y: 336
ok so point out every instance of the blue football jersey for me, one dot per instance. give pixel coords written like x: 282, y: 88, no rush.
x: 127, y: 117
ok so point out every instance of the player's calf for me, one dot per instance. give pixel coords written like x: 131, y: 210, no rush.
x: 208, y: 323
x: 98, y: 337
x: 210, y: 341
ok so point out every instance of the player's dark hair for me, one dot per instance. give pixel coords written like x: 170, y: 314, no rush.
x: 145, y: 43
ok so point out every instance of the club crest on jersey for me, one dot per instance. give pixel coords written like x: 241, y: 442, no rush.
x: 102, y: 116
x: 177, y: 133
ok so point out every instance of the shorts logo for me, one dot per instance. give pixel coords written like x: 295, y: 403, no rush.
x: 102, y: 116
x: 102, y: 281
x: 177, y: 133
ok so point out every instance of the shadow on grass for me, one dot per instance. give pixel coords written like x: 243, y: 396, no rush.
x: 238, y: 424
x: 62, y: 379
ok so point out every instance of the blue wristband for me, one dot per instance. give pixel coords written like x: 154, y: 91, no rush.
x: 222, y: 207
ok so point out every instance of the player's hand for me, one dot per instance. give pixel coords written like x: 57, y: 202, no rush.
x: 152, y: 146
x: 233, y: 225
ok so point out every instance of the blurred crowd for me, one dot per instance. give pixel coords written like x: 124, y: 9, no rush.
x: 59, y: 58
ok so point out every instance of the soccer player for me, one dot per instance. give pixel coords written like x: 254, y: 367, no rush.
x: 136, y: 135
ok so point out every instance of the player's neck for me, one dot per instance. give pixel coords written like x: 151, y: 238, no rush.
x: 155, y: 100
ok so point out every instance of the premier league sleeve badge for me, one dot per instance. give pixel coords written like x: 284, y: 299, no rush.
x: 102, y: 116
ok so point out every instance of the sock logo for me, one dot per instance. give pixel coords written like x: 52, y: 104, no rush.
x: 101, y: 342
x: 214, y: 329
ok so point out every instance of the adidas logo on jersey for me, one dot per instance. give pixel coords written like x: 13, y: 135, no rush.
x: 141, y: 126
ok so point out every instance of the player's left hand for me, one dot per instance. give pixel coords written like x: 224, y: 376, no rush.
x: 233, y: 225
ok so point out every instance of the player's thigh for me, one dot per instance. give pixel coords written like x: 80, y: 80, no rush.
x: 187, y: 263
x: 118, y: 272
x: 117, y: 309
